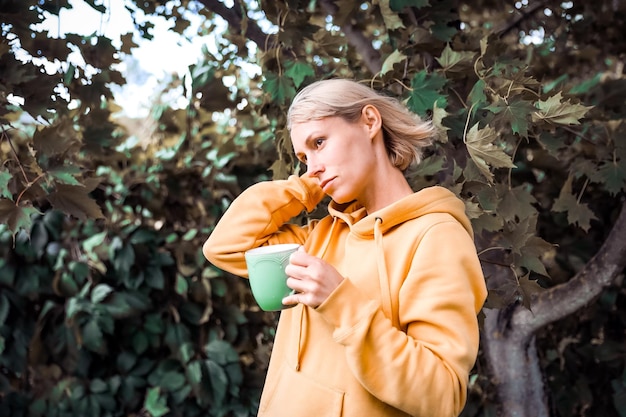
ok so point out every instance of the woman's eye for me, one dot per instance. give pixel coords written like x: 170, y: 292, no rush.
x: 318, y: 142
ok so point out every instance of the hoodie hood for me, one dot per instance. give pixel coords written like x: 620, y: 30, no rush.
x: 429, y: 200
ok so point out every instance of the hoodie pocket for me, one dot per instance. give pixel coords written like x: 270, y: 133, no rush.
x: 291, y: 393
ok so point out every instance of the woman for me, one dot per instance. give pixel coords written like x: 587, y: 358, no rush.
x: 387, y: 286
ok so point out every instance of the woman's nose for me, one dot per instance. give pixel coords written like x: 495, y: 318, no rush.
x: 313, y: 167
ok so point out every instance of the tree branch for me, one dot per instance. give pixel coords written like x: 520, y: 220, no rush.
x: 234, y: 18
x: 526, y: 14
x: 355, y: 37
x: 563, y: 300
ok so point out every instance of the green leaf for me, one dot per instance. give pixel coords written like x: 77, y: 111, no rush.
x: 140, y: 342
x: 155, y: 404
x: 182, y: 286
x: 481, y: 148
x: 298, y: 71
x: 586, y: 86
x: 125, y: 361
x: 190, y: 234
x: 221, y: 352
x: 477, y: 96
x: 124, y: 258
x: 613, y: 176
x: 279, y: 87
x: 398, y: 5
x: 194, y: 372
x: 172, y: 380
x: 430, y: 166
x: 514, y: 112
x: 98, y: 386
x: 93, y: 242
x: 5, y: 177
x: 4, y: 309
x: 219, y: 381
x: 425, y: 92
x: 65, y: 174
x: 92, y: 337
x: 100, y: 292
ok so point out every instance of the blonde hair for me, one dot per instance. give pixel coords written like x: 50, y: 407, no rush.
x: 405, y: 133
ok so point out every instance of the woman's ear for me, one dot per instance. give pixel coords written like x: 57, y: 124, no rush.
x: 372, y: 119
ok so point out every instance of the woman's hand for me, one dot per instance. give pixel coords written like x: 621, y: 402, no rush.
x: 312, y: 279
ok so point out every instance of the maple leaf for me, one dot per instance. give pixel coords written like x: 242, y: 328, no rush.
x: 532, y: 253
x: 56, y: 139
x: 425, y: 92
x: 15, y: 217
x: 298, y: 71
x: 517, y: 234
x: 393, y: 58
x: 442, y: 131
x: 279, y: 87
x: 554, y: 111
x: 391, y: 18
x: 487, y: 221
x: 480, y: 145
x: 528, y: 288
x: 514, y: 112
x: 452, y: 61
x: 75, y: 200
x: 477, y: 96
x: 516, y: 203
x: 577, y: 213
x: 613, y: 177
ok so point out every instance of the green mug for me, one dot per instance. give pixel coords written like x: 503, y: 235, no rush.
x: 266, y: 272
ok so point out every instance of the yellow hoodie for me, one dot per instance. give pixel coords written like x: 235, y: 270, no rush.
x: 399, y: 335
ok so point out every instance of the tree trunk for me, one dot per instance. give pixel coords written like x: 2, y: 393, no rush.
x: 514, y: 367
x: 508, y: 336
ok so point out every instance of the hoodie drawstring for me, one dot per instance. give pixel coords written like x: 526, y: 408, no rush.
x: 302, y: 321
x: 385, y: 287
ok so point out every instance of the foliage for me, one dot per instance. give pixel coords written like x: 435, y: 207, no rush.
x: 107, y: 306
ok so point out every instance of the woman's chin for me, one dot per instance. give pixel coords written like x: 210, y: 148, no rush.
x: 340, y: 199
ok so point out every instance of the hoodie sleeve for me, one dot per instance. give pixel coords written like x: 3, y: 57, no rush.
x: 423, y: 370
x: 258, y: 217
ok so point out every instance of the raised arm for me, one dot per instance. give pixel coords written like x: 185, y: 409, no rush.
x: 260, y: 216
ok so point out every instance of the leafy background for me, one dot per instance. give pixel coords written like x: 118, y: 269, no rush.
x: 107, y: 306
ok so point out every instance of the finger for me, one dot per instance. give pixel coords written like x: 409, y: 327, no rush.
x: 290, y: 300
x: 300, y: 258
x: 296, y: 271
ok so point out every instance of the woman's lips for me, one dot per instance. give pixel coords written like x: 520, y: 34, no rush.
x: 326, y: 183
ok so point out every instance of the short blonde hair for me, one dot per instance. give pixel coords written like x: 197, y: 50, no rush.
x: 405, y: 133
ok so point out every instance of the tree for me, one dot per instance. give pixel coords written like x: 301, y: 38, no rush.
x: 529, y: 99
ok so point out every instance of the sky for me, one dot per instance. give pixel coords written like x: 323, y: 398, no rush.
x: 150, y: 63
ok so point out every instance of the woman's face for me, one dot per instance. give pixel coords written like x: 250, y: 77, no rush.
x: 339, y: 154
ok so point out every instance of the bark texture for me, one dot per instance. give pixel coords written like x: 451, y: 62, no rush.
x: 508, y: 338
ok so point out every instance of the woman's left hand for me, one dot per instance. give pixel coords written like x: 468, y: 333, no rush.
x: 312, y: 278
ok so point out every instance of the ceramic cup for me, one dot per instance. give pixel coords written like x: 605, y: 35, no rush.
x: 266, y: 271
